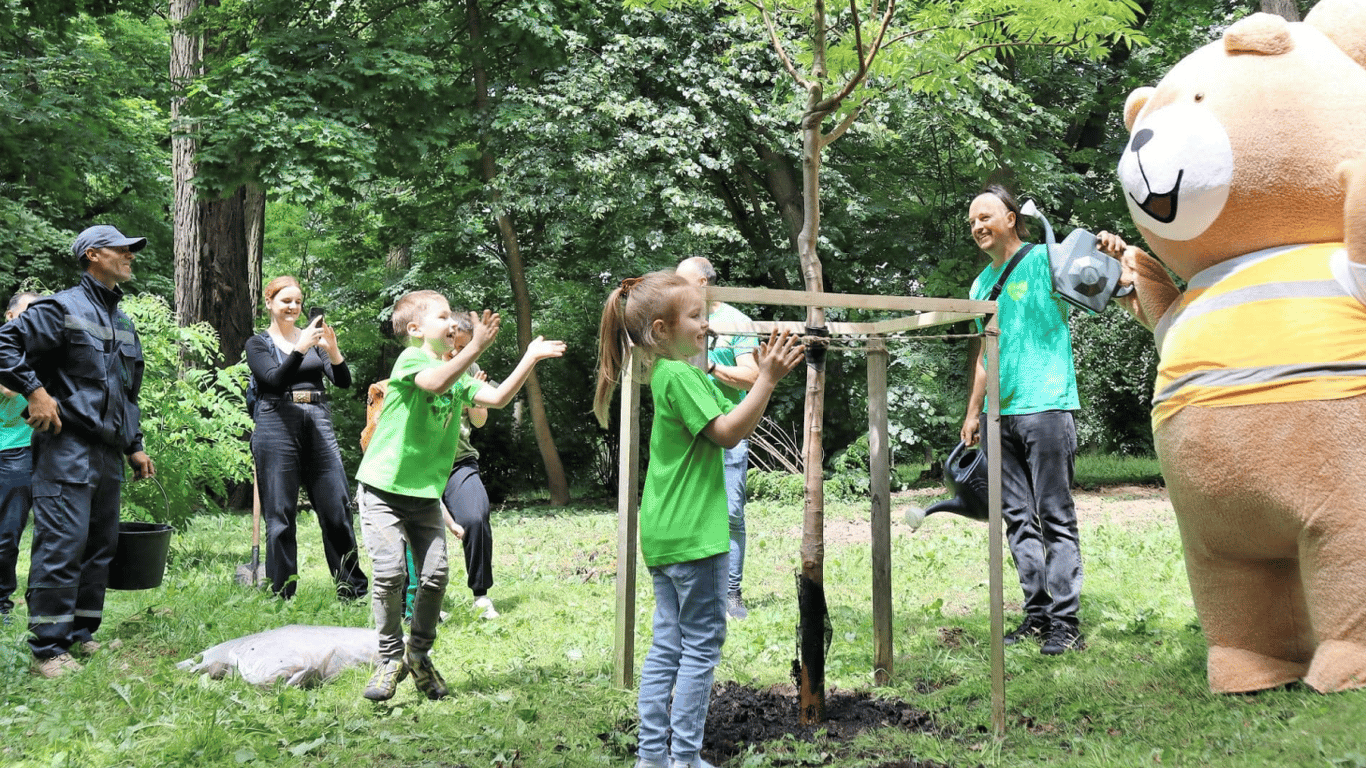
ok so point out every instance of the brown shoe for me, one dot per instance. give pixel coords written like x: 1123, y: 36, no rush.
x: 56, y: 666
x: 88, y: 648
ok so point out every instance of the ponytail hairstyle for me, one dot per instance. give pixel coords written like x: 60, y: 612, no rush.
x: 628, y: 320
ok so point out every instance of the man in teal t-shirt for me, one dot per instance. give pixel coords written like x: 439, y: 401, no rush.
x: 731, y: 365
x: 16, y: 472
x: 1038, y: 434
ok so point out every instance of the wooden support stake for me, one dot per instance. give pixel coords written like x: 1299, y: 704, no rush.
x: 991, y: 345
x: 880, y: 490
x: 628, y: 508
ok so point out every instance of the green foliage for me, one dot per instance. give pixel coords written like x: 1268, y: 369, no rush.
x: 83, y: 121
x: 1116, y: 366
x: 780, y: 487
x: 193, y: 418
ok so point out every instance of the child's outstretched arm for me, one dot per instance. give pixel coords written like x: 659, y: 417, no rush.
x: 775, y: 357
x: 444, y: 376
x: 498, y: 397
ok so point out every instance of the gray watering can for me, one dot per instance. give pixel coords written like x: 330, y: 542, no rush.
x: 1082, y: 275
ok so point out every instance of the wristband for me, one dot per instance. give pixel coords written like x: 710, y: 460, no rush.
x: 711, y: 368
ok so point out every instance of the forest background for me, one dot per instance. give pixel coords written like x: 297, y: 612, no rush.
x: 525, y: 155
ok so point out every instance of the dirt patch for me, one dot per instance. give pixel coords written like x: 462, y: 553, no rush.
x: 741, y: 717
x: 1130, y: 506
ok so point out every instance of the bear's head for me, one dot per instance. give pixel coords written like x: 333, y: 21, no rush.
x: 1236, y: 149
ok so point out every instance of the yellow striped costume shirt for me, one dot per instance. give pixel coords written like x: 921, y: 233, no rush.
x: 1272, y: 326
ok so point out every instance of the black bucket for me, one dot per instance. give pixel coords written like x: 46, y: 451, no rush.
x: 140, y: 560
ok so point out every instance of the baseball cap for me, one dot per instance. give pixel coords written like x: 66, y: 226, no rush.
x: 104, y: 236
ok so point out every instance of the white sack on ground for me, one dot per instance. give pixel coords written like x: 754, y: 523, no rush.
x: 299, y: 654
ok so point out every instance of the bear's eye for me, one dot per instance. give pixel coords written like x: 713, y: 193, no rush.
x: 1199, y: 97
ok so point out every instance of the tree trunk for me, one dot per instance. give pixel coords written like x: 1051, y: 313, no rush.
x: 814, y: 620
x: 545, y: 440
x: 210, y: 251
x: 1284, y: 8
x: 255, y: 214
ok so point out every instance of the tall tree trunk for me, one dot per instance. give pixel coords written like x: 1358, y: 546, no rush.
x: 814, y: 621
x: 1284, y: 8
x: 545, y: 440
x: 210, y: 252
x: 255, y: 214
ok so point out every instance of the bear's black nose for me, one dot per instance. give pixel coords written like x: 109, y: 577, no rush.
x: 1142, y: 137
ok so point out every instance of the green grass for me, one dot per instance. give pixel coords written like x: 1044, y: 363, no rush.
x: 534, y: 687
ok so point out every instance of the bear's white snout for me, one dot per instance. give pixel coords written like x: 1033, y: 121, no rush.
x: 1176, y: 171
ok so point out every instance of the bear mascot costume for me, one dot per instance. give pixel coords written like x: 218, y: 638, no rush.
x: 1242, y: 172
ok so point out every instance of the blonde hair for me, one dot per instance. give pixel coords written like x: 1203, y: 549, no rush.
x: 410, y: 308
x: 628, y: 318
x: 279, y: 284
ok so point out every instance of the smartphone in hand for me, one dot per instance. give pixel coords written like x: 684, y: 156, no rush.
x: 315, y: 313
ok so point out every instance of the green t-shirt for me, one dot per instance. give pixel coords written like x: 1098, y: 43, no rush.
x: 465, y: 449
x: 1036, y: 367
x: 683, y: 513
x: 413, y: 447
x: 728, y: 348
x: 14, y: 431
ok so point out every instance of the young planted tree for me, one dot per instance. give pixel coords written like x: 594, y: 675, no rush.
x: 840, y: 58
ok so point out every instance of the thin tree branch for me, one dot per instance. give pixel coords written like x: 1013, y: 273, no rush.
x: 834, y: 135
x: 832, y: 103
x: 778, y: 46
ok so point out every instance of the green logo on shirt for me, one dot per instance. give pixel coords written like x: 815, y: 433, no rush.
x: 1017, y: 290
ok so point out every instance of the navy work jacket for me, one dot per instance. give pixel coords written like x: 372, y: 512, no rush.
x: 84, y: 350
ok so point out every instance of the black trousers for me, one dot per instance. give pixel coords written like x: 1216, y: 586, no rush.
x: 76, y: 488
x: 294, y: 444
x: 468, y: 504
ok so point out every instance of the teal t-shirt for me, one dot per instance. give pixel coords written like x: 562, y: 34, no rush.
x: 14, y: 431
x: 1036, y: 367
x: 413, y: 447
x: 728, y: 348
x: 683, y: 513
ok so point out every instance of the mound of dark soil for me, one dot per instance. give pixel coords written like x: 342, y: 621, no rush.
x: 740, y: 717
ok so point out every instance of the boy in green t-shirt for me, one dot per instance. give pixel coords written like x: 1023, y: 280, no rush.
x: 404, y: 470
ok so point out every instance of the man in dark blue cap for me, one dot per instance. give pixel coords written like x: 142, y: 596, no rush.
x: 77, y: 359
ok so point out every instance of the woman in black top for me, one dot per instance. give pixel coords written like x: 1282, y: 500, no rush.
x: 294, y: 442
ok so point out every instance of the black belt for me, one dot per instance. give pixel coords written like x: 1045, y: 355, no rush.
x: 311, y: 396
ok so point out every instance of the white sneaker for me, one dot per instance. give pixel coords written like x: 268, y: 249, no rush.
x: 697, y: 762
x: 485, y: 605
x: 643, y: 763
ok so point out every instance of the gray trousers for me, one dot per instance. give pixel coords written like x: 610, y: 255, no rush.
x: 387, y: 520
x: 1038, y: 457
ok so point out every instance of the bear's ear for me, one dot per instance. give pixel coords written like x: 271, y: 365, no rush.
x: 1134, y: 104
x: 1265, y: 34
x: 1343, y: 22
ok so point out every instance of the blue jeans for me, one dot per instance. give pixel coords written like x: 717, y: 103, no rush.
x: 737, y: 468
x: 1038, y: 455
x: 16, y: 496
x: 387, y: 520
x: 689, y: 630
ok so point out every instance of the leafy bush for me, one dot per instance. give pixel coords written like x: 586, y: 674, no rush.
x: 775, y: 486
x: 193, y: 417
x: 848, y: 476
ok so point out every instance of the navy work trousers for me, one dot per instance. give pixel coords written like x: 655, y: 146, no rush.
x: 76, y: 489
x: 293, y: 444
